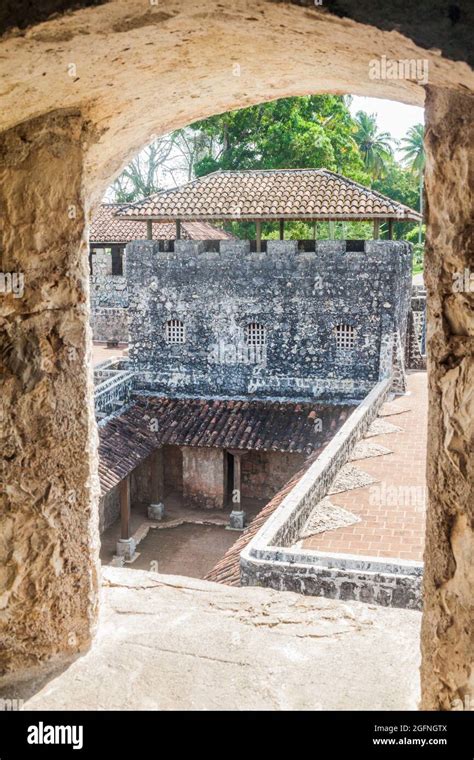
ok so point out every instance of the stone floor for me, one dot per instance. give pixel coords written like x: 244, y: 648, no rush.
x: 186, y: 542
x: 100, y: 352
x: 167, y: 642
x: 392, y: 508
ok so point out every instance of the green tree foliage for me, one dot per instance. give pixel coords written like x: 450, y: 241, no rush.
x: 316, y: 131
x: 292, y: 133
x: 414, y: 150
x: 375, y: 147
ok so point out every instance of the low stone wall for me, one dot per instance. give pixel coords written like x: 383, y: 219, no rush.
x: 269, y: 560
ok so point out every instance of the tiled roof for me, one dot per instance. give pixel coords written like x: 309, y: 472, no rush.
x: 150, y: 421
x: 269, y: 194
x: 108, y: 228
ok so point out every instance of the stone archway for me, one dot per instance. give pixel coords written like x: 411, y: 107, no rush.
x: 86, y: 91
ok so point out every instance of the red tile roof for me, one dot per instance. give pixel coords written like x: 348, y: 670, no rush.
x: 127, y: 439
x: 269, y: 194
x: 108, y: 228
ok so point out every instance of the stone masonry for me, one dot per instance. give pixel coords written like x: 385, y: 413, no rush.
x: 298, y: 297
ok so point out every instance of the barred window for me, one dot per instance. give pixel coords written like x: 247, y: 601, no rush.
x: 174, y: 331
x: 255, y: 334
x: 345, y: 337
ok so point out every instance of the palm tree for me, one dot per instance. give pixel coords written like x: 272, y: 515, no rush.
x: 414, y: 151
x: 374, y: 146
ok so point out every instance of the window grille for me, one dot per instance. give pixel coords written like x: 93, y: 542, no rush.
x: 255, y: 334
x: 345, y: 337
x: 174, y: 331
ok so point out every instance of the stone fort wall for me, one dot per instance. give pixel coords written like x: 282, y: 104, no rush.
x: 299, y: 296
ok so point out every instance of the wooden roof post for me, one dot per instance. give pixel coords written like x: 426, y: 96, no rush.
x: 315, y: 230
x: 126, y: 544
x: 258, y: 235
x: 390, y: 229
x: 282, y: 229
x: 376, y: 229
x: 331, y: 229
x: 125, y: 508
x: 149, y: 229
x: 178, y: 229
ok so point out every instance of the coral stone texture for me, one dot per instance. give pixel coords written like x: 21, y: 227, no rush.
x: 449, y: 552
x: 48, y: 520
x: 81, y: 93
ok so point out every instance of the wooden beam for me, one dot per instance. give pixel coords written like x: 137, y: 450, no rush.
x: 178, y: 229
x: 390, y: 229
x: 258, y: 235
x: 125, y: 508
x: 149, y: 229
x: 282, y: 229
x: 376, y: 229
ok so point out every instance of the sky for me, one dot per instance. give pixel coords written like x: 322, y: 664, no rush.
x: 392, y: 116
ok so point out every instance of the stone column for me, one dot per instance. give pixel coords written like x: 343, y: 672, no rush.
x: 448, y: 578
x: 156, y: 508
x: 49, y: 516
x: 237, y: 516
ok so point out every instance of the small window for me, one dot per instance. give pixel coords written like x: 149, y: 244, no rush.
x: 255, y: 334
x: 345, y: 337
x: 117, y: 261
x: 174, y: 331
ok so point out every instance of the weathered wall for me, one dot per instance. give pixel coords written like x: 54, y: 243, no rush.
x: 263, y: 473
x: 203, y: 477
x: 48, y: 522
x: 109, y: 299
x: 299, y: 297
x: 173, y: 468
x: 447, y: 644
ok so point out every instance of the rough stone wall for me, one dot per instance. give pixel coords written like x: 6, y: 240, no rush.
x: 172, y: 468
x: 447, y: 645
x: 414, y: 359
x: 48, y: 521
x: 204, y: 477
x: 299, y: 298
x: 109, y: 299
x: 109, y: 324
x: 109, y: 509
x: 265, y: 472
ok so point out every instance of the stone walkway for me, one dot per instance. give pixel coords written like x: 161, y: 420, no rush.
x: 171, y: 643
x: 391, y: 508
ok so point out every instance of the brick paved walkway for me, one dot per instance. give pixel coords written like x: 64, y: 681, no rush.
x: 392, y: 510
